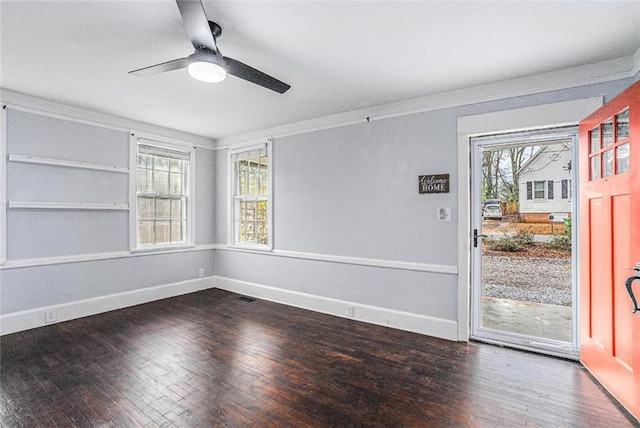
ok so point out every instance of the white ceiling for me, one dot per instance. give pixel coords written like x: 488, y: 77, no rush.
x: 337, y: 55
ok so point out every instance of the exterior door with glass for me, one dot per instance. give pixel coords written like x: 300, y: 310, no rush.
x: 609, y: 158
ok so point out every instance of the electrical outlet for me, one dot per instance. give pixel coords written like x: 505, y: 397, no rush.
x: 50, y: 315
x: 201, y: 273
x: 350, y: 310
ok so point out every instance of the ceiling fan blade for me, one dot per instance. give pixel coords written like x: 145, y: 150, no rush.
x: 196, y: 24
x: 176, y: 64
x: 250, y: 74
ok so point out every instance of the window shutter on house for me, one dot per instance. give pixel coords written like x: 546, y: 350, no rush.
x: 550, y: 189
x: 565, y: 189
x: 529, y: 190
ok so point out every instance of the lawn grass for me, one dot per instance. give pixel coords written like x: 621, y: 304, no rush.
x: 540, y: 228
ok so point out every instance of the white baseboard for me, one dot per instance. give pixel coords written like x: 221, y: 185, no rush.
x: 33, y: 318
x: 430, y: 326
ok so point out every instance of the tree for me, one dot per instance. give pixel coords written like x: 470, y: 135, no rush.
x: 491, y: 173
x: 501, y: 171
x: 517, y: 156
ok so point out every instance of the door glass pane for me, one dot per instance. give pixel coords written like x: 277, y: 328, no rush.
x: 607, y: 133
x: 607, y: 164
x: 622, y: 126
x: 595, y: 167
x: 595, y: 140
x: 622, y: 161
x: 523, y: 289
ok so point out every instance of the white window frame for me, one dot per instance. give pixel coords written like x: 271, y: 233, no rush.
x: 232, y: 205
x: 544, y: 190
x: 139, y: 138
x: 569, y: 189
x: 3, y: 185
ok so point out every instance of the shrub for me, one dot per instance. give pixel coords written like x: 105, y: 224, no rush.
x: 560, y: 242
x: 509, y: 243
x: 524, y: 236
x: 567, y: 226
x: 512, y: 242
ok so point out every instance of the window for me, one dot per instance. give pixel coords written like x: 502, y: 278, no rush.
x: 609, y: 147
x: 163, y: 209
x: 251, y: 193
x: 538, y: 189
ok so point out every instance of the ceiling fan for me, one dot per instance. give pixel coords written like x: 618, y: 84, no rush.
x: 206, y: 63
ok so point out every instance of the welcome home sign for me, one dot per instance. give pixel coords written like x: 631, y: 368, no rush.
x: 437, y: 183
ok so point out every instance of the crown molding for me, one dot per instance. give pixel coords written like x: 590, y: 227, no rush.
x: 583, y: 75
x: 19, y: 101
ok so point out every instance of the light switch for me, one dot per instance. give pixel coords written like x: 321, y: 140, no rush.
x: 444, y: 214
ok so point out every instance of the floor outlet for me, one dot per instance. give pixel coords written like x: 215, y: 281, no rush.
x: 201, y: 273
x: 50, y: 315
x: 350, y: 310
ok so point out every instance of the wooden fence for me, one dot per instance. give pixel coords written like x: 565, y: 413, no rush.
x: 510, y: 208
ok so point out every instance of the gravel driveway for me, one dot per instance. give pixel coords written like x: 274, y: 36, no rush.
x: 540, y: 280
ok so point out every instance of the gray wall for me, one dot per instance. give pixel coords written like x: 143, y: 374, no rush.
x: 49, y: 235
x: 349, y: 192
x: 352, y: 191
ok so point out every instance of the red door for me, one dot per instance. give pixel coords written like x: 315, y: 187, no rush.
x: 610, y: 245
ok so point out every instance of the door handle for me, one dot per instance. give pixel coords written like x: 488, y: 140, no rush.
x: 629, y: 284
x: 475, y: 238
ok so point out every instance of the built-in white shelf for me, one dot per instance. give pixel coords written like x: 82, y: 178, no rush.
x: 67, y: 206
x: 67, y: 163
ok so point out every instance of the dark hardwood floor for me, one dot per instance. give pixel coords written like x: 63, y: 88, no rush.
x: 214, y: 359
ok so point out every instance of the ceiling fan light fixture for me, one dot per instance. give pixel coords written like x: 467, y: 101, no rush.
x: 206, y: 68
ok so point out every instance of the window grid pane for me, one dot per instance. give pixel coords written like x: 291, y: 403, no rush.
x: 622, y: 126
x: 161, y: 188
x: 595, y: 167
x: 607, y: 133
x: 251, y: 219
x: 622, y: 158
x: 163, y: 232
x: 538, y: 189
x: 595, y: 140
x: 607, y: 163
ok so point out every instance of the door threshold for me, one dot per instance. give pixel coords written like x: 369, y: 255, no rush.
x: 541, y: 348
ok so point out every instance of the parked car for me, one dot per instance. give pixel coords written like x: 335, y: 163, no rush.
x: 492, y: 211
x: 491, y: 202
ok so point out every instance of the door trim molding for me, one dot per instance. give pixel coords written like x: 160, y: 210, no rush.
x: 567, y: 113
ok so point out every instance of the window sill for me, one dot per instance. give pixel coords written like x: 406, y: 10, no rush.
x: 251, y: 247
x: 162, y: 247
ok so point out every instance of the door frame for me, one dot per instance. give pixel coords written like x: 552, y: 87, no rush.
x: 516, y: 340
x: 532, y: 117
